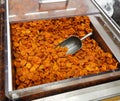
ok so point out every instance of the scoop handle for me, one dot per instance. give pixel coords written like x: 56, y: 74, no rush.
x: 86, y: 36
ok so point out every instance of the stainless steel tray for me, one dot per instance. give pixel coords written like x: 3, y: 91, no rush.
x: 104, y: 40
x: 101, y: 35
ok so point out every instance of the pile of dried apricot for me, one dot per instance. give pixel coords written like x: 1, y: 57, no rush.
x: 37, y: 61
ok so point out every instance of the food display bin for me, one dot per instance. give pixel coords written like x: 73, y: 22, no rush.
x: 30, y: 10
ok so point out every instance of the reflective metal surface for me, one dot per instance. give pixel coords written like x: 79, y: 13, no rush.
x: 73, y: 43
x: 95, y: 93
x: 111, y: 15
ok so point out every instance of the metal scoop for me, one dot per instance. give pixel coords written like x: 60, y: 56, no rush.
x: 73, y: 43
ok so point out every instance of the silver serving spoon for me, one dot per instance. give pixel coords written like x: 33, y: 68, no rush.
x: 73, y: 43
